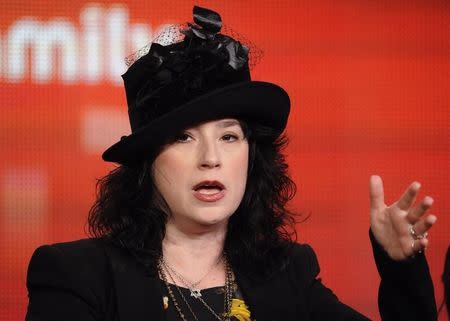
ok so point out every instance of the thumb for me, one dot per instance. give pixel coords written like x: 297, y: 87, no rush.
x: 376, y: 192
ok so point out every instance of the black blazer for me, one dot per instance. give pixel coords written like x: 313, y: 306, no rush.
x: 92, y: 280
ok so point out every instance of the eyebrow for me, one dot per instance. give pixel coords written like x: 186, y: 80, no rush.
x: 228, y: 123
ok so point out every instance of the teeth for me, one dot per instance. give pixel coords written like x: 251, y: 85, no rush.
x: 208, y: 187
x: 209, y: 190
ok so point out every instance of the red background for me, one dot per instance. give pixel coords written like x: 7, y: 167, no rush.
x: 370, y: 93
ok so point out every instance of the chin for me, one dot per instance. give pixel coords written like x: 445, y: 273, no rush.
x: 208, y: 219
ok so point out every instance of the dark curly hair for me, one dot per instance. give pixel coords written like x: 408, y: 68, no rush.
x: 130, y: 211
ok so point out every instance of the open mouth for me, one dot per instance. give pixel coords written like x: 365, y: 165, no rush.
x: 209, y: 187
x: 209, y: 191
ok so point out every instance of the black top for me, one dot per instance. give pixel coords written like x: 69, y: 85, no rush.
x: 213, y: 297
x: 92, y: 280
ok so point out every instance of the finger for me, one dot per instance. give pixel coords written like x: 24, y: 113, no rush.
x: 418, y: 246
x: 422, y: 226
x: 416, y: 213
x: 423, y: 243
x: 408, y: 197
x: 376, y: 192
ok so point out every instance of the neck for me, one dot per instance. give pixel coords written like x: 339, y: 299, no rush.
x: 198, y: 244
x: 193, y: 253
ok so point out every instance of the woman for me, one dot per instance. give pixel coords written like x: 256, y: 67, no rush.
x: 193, y: 224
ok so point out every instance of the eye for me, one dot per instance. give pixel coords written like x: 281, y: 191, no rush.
x: 230, y: 137
x: 183, y: 138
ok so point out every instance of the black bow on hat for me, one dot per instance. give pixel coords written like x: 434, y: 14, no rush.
x: 203, y: 77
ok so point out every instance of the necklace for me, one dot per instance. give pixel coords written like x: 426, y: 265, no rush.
x: 172, y: 296
x: 193, y: 287
x: 162, y: 269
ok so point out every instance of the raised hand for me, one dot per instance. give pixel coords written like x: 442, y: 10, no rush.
x: 400, y: 228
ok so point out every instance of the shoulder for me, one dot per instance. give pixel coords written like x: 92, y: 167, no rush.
x: 86, y: 246
x: 77, y: 263
x: 71, y: 281
x: 71, y: 276
x: 302, y: 261
x: 71, y: 254
x: 288, y: 257
x: 301, y: 254
x: 296, y: 271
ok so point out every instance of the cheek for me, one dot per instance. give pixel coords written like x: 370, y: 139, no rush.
x: 239, y: 171
x: 167, y: 173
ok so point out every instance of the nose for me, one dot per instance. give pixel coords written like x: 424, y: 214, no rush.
x: 209, y: 154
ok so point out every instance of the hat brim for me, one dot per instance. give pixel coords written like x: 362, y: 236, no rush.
x: 261, y: 102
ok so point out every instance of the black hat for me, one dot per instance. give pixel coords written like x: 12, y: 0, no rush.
x: 203, y: 77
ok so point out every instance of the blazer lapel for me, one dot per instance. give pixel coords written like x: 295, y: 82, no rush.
x: 139, y: 297
x: 268, y: 300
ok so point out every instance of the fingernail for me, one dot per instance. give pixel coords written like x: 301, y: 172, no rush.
x: 416, y: 185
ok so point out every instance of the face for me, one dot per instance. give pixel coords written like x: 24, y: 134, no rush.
x: 202, y: 174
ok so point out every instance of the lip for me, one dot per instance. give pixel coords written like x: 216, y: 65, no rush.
x: 211, y: 183
x: 209, y: 197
